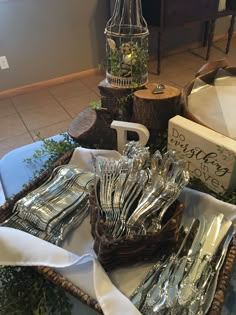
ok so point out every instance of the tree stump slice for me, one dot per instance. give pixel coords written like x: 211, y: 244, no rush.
x: 92, y: 128
x: 155, y: 110
x: 82, y: 123
x: 116, y: 101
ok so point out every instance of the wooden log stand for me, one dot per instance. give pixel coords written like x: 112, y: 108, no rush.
x: 151, y: 110
x: 155, y: 110
x: 118, y: 101
x: 92, y: 127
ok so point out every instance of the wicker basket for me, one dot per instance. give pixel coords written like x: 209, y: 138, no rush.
x: 126, y: 251
x: 207, y: 74
x: 57, y: 279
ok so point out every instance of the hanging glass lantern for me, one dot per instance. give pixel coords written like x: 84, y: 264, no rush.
x: 127, y: 45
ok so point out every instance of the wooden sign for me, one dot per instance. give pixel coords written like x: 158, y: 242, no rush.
x: 210, y: 156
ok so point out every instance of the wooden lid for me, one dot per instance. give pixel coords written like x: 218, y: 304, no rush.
x: 169, y: 92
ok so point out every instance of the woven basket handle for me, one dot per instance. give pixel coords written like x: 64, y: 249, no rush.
x: 211, y: 66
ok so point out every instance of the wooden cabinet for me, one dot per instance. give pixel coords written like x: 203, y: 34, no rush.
x: 170, y: 13
x: 180, y: 12
x: 167, y: 14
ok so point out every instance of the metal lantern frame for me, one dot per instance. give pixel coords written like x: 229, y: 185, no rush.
x: 127, y: 45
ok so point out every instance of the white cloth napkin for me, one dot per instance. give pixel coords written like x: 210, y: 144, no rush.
x: 82, y: 157
x: 197, y: 203
x: 22, y: 249
x: 77, y: 261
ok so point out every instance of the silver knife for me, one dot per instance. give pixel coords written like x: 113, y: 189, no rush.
x: 211, y: 242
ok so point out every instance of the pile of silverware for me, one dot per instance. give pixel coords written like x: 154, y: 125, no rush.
x: 134, y: 193
x: 57, y: 206
x: 184, y: 284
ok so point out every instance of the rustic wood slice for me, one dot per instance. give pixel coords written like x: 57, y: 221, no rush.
x: 82, y: 123
x: 155, y: 110
x: 92, y: 128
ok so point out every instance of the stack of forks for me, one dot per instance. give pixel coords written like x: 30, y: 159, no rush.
x: 57, y: 206
x: 134, y: 193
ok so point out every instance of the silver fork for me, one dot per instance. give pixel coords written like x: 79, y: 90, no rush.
x: 175, y: 188
x: 133, y: 195
x: 117, y: 205
x: 107, y: 171
x: 163, y: 187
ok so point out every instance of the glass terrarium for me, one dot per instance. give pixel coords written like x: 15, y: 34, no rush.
x: 127, y: 45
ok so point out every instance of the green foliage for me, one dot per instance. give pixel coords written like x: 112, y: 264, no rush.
x: 52, y: 150
x: 96, y: 105
x: 128, y: 59
x: 115, y: 61
x: 24, y: 291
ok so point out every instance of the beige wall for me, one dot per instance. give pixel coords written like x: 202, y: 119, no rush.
x: 44, y: 39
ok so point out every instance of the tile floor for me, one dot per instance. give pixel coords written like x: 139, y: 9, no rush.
x: 49, y: 111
